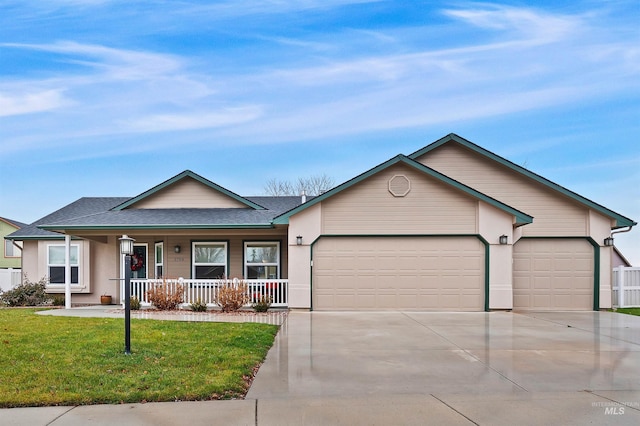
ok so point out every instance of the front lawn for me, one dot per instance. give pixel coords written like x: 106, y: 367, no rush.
x: 630, y: 311
x: 48, y: 360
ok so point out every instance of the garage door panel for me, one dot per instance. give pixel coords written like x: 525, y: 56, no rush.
x: 388, y: 273
x: 553, y: 274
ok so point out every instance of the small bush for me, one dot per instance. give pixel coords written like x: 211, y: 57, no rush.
x: 166, y: 297
x: 57, y: 300
x: 262, y: 304
x: 198, y: 306
x: 232, y: 295
x: 26, y: 294
x: 134, y: 303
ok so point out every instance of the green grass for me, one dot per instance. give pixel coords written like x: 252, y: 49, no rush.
x: 48, y: 360
x: 630, y: 311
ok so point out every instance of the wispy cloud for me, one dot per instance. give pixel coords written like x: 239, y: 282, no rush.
x: 534, y: 25
x: 522, y: 59
x: 30, y: 102
x: 191, y: 121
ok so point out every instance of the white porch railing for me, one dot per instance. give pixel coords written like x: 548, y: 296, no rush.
x: 205, y: 291
x: 626, y: 287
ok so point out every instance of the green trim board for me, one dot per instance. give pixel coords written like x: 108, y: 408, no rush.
x: 192, y: 175
x: 621, y: 221
x: 596, y: 263
x: 520, y: 217
x: 478, y: 236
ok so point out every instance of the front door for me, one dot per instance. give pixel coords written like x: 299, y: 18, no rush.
x: 139, y: 262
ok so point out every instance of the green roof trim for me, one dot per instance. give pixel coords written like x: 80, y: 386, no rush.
x: 621, y: 221
x: 195, y: 176
x: 521, y: 218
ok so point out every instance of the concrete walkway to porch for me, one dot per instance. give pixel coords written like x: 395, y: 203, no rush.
x: 273, y: 316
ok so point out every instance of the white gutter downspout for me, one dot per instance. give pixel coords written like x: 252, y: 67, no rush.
x: 619, y: 232
x: 67, y: 271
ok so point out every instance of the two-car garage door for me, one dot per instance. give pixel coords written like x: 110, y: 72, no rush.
x: 399, y: 273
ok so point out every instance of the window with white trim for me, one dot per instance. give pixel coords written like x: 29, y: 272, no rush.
x: 209, y: 260
x: 159, y: 260
x: 262, y: 260
x: 10, y: 249
x: 56, y: 259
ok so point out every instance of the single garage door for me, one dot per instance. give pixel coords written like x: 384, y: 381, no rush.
x: 553, y: 274
x: 398, y: 273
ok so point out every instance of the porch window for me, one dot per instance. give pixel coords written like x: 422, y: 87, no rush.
x: 159, y: 259
x: 209, y: 260
x: 262, y: 260
x: 56, y: 263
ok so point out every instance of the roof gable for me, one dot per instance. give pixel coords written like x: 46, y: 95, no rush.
x: 13, y: 223
x: 202, y: 194
x: 621, y: 221
x: 520, y: 217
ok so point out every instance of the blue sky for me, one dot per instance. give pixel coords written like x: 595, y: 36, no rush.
x: 111, y: 97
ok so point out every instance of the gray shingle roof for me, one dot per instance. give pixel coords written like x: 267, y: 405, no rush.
x: 97, y: 213
x: 79, y: 208
x: 13, y: 222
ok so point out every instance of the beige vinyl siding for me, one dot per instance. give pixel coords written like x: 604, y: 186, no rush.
x: 553, y: 274
x: 554, y: 214
x: 187, y: 193
x: 398, y: 273
x: 430, y: 207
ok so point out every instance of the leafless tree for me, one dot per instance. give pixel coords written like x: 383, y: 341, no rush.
x: 277, y: 188
x: 312, y: 186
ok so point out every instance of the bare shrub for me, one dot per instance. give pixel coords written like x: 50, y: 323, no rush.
x: 166, y: 296
x: 26, y: 294
x: 232, y: 295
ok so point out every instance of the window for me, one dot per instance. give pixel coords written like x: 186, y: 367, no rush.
x: 159, y: 260
x: 10, y: 250
x: 56, y: 263
x: 262, y: 260
x: 209, y: 260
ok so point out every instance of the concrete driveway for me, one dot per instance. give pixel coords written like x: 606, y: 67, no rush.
x: 452, y: 368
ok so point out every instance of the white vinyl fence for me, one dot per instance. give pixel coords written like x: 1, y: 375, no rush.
x: 626, y: 287
x: 10, y: 278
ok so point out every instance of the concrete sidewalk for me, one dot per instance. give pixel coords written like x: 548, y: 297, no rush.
x: 496, y: 368
x: 540, y: 408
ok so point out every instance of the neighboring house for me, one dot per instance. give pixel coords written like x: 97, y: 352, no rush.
x: 11, y: 251
x: 449, y: 227
x: 619, y: 259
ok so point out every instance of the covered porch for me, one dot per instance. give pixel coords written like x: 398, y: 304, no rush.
x: 200, y: 264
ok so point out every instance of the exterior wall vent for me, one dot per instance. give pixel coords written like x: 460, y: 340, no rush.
x: 399, y: 185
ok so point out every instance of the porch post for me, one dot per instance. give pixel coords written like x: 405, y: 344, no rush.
x: 67, y: 271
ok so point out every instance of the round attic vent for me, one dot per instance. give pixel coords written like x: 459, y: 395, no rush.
x: 399, y: 185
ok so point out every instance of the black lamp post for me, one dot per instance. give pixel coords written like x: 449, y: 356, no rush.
x: 126, y: 248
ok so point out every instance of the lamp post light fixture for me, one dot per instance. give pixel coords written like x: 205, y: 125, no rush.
x: 608, y: 241
x: 299, y: 240
x: 126, y: 248
x: 503, y: 239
